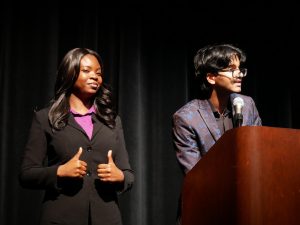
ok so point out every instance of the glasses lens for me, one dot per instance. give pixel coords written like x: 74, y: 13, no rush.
x: 243, y: 71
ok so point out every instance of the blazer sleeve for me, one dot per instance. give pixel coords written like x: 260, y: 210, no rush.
x: 256, y: 120
x: 122, y: 159
x: 33, y: 173
x: 185, y: 142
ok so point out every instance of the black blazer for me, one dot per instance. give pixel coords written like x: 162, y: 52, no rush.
x: 74, y: 200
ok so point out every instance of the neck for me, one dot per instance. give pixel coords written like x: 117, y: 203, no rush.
x: 219, y: 101
x: 79, y: 105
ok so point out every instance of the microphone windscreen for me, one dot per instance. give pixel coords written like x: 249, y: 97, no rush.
x: 238, y: 101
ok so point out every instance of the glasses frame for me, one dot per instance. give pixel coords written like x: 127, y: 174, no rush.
x: 242, y: 72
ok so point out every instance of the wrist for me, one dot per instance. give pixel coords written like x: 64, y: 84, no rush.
x: 59, y: 172
x: 122, y: 177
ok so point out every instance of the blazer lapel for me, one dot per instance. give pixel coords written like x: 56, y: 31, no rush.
x: 72, y: 122
x: 209, y: 119
x: 98, y: 126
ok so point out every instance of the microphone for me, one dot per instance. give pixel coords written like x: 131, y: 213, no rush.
x: 238, y: 104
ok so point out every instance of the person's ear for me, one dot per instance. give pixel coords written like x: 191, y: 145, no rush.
x: 211, y: 78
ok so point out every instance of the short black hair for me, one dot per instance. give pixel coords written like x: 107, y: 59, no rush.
x: 211, y: 59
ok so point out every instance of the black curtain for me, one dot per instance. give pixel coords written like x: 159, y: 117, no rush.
x: 148, y: 60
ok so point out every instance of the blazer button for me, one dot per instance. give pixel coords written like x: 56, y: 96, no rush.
x: 88, y: 173
x: 89, y: 148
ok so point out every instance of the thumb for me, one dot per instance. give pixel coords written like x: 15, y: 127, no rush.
x: 78, y: 154
x: 109, y: 157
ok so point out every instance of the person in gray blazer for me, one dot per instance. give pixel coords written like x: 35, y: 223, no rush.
x: 76, y: 150
x: 198, y: 124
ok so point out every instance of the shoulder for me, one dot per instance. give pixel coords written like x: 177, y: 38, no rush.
x: 246, y: 98
x: 41, y: 115
x: 190, y: 107
x: 118, y: 121
x: 190, y: 111
x: 42, y: 111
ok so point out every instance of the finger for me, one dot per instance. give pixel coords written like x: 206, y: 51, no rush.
x: 105, y: 170
x: 103, y: 166
x: 83, y: 163
x: 104, y: 175
x: 80, y: 172
x: 105, y: 179
x: 78, y: 154
x: 109, y: 156
x: 83, y: 168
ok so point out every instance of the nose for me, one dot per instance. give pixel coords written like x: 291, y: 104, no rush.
x: 239, y: 74
x: 94, y: 76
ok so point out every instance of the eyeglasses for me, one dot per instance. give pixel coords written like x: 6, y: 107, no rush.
x: 241, y: 72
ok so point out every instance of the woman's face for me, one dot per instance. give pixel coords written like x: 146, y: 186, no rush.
x: 89, y: 78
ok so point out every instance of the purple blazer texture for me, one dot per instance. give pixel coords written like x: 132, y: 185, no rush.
x: 195, y: 129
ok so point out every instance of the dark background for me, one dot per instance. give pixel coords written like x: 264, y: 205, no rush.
x: 148, y: 54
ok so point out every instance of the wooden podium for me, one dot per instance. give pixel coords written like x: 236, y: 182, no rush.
x: 251, y: 176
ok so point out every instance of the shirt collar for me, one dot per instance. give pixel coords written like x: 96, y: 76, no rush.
x: 89, y: 112
x: 216, y: 113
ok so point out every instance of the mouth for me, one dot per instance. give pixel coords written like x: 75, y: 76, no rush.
x: 94, y: 85
x: 238, y: 83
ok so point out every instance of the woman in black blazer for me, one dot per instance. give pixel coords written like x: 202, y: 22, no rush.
x: 76, y: 150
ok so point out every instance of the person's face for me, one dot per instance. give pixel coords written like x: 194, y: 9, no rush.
x: 228, y: 80
x: 89, y: 78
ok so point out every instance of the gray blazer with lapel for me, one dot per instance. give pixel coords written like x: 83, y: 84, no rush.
x: 195, y: 129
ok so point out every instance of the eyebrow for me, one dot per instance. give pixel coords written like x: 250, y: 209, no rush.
x: 90, y: 67
x: 233, y: 66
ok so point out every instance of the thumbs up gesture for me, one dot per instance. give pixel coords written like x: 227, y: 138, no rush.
x: 110, y: 172
x: 74, y: 167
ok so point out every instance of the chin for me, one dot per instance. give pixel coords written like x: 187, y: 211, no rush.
x: 238, y: 89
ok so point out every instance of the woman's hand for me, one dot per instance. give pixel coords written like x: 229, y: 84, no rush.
x: 74, y: 167
x: 110, y: 172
